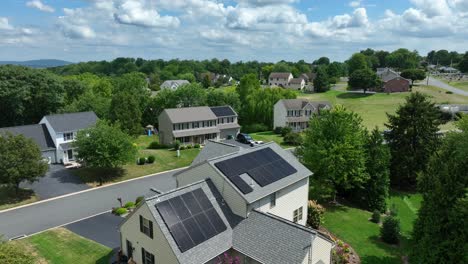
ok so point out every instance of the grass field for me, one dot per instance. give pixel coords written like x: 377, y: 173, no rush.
x: 9, y: 199
x: 269, y: 136
x: 352, y: 225
x: 166, y: 159
x: 461, y: 85
x: 373, y: 107
x: 61, y: 246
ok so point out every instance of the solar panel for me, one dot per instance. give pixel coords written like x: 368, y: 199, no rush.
x: 265, y: 166
x: 222, y: 111
x: 190, y: 218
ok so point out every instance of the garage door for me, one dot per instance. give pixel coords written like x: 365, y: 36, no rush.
x: 50, y: 155
x: 226, y: 132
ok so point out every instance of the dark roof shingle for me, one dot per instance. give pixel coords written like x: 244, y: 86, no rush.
x: 72, y: 121
x: 38, y: 133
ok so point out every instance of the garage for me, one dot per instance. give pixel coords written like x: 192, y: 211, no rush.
x: 227, y: 132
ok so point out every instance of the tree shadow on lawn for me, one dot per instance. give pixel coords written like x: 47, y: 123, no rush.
x: 9, y: 196
x: 354, y: 95
x: 95, y: 175
x: 397, y: 251
x: 109, y: 258
x: 333, y: 207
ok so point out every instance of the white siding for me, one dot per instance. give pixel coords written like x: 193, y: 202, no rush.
x: 158, y: 246
x: 165, y: 129
x: 287, y: 200
x: 235, y: 201
x: 321, y: 251
x: 279, y: 115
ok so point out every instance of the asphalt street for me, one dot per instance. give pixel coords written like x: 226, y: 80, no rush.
x: 65, y: 210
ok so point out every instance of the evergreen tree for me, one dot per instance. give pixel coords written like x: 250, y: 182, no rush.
x: 321, y: 82
x: 440, y: 232
x: 412, y: 138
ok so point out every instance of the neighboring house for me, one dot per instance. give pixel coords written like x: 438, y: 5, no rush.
x: 296, y: 84
x: 40, y: 135
x: 196, y: 125
x: 63, y: 129
x: 296, y: 113
x: 214, y: 77
x: 173, y: 84
x: 280, y: 79
x: 55, y: 133
x: 308, y: 77
x: 250, y: 204
x: 392, y: 82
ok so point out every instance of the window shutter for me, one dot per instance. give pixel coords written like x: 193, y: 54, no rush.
x: 143, y: 257
x: 151, y: 229
x: 141, y: 223
x: 152, y: 259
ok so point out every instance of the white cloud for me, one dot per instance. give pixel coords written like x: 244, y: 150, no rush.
x: 355, y: 4
x: 131, y: 12
x: 432, y: 7
x: 40, y: 6
x: 4, y: 24
x: 266, y: 2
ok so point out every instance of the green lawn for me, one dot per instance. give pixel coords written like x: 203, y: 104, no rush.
x: 269, y: 136
x: 461, y: 85
x: 61, y: 246
x: 166, y: 159
x: 352, y: 225
x: 9, y: 199
x: 373, y: 107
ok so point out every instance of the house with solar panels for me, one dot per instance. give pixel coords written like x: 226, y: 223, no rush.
x: 249, y: 204
x: 197, y: 125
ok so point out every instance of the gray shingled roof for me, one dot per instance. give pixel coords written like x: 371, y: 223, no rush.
x: 281, y: 75
x: 258, y: 191
x: 271, y: 239
x: 296, y: 80
x: 72, y: 121
x: 387, y: 74
x: 176, y: 83
x: 190, y: 114
x: 214, y: 149
x: 298, y: 104
x: 38, y: 133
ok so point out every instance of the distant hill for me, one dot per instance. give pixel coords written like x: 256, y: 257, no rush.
x: 38, y: 63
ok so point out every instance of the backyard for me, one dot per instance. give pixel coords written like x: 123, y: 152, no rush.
x: 61, y: 246
x: 269, y: 136
x: 165, y: 159
x: 352, y: 225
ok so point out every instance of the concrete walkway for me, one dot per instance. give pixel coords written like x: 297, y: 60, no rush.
x: 67, y: 209
x: 437, y: 83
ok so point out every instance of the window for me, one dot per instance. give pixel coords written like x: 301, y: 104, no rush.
x: 67, y: 136
x: 146, y: 226
x: 297, y: 215
x: 272, y: 200
x: 146, y: 257
x: 195, y: 125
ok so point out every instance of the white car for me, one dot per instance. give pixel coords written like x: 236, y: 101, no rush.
x: 255, y: 143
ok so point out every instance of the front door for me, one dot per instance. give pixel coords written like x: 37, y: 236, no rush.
x: 70, y: 154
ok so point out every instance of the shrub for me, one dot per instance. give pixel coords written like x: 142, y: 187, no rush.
x: 254, y: 128
x: 375, y: 216
x: 277, y: 130
x: 141, y: 161
x: 197, y: 146
x: 393, y: 210
x: 129, y: 205
x: 189, y: 146
x: 293, y: 139
x: 156, y: 145
x: 390, y: 230
x: 285, y: 131
x: 151, y: 159
x: 182, y: 147
x: 315, y: 214
x: 176, y: 145
x: 139, y: 199
x: 341, y: 253
x: 449, y: 92
x: 121, y: 211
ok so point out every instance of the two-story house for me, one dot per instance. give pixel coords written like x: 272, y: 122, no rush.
x: 296, y: 113
x: 280, y: 79
x: 63, y: 129
x: 173, y: 84
x: 55, y: 133
x: 249, y: 204
x: 196, y: 125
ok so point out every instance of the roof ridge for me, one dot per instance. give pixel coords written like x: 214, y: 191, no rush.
x: 175, y: 190
x: 70, y: 113
x: 21, y: 126
x: 246, y: 150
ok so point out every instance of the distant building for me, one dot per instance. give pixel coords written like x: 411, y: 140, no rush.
x: 280, y: 79
x: 392, y: 82
x: 296, y: 84
x: 296, y: 113
x: 173, y: 84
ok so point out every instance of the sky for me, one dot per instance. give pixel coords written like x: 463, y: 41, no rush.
x: 263, y: 30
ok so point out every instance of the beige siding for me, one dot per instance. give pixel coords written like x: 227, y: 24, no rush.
x: 235, y: 201
x: 279, y: 115
x: 287, y: 200
x: 158, y: 246
x: 321, y: 251
x: 165, y: 129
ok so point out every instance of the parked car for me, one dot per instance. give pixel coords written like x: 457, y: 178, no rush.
x: 244, y: 138
x: 254, y: 143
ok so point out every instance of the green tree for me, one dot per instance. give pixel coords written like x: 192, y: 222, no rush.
x: 125, y: 111
x: 364, y: 79
x: 412, y: 138
x: 104, y: 148
x: 357, y: 61
x: 217, y: 97
x: 322, y: 61
x: 334, y: 149
x: 444, y: 209
x: 403, y: 59
x: 11, y: 253
x: 413, y: 75
x: 190, y: 95
x: 374, y: 193
x: 463, y: 65
x: 282, y: 66
x: 20, y: 160
x: 206, y: 82
x: 321, y: 81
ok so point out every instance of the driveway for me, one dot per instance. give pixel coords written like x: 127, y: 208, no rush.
x: 437, y: 83
x: 64, y: 210
x: 57, y: 181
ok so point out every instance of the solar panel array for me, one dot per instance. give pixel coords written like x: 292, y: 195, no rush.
x: 191, y: 219
x: 223, y: 111
x: 265, y: 166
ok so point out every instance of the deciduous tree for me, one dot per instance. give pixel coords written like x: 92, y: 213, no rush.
x: 357, y: 61
x: 364, y: 79
x: 413, y: 75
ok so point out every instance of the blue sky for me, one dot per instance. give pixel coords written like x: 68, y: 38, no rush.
x: 264, y: 30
